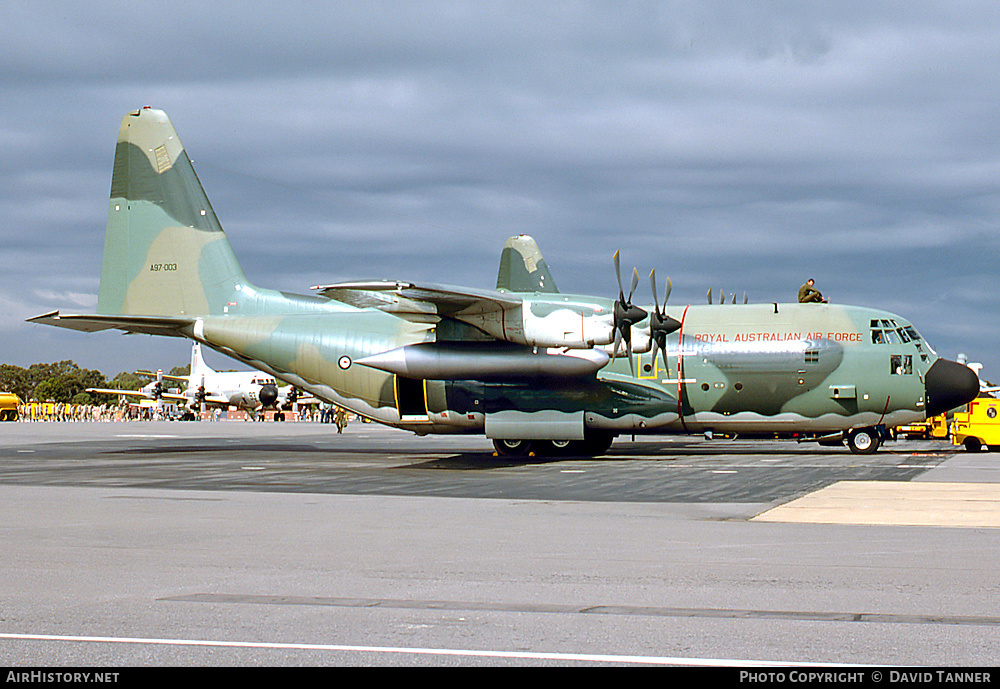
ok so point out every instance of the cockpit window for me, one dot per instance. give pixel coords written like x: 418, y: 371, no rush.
x: 887, y: 331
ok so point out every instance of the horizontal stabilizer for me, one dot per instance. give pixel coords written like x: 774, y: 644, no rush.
x: 92, y: 323
x: 164, y: 376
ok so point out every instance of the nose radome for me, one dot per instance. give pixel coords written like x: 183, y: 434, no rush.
x: 949, y: 385
x: 269, y: 395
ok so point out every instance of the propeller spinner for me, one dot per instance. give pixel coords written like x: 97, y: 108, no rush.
x: 626, y: 315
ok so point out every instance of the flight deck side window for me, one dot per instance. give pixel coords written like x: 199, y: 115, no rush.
x: 900, y: 364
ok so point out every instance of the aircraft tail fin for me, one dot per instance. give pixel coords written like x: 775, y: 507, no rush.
x: 522, y: 268
x: 198, y: 366
x: 165, y: 253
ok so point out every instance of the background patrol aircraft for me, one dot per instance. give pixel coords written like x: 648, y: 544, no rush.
x: 250, y: 390
x: 530, y: 367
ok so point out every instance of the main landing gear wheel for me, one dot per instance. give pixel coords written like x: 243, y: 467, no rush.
x: 557, y: 448
x: 513, y: 448
x: 594, y: 444
x: 863, y: 441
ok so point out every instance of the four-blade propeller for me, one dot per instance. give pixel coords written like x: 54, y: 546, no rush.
x: 626, y: 315
x: 660, y: 324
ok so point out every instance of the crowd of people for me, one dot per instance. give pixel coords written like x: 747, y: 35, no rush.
x: 59, y: 411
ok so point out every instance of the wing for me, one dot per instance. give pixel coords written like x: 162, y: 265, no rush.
x: 127, y: 393
x: 406, y: 298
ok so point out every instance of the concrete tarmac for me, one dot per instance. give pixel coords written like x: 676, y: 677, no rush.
x: 235, y: 544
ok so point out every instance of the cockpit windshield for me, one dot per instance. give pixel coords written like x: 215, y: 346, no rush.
x: 888, y: 331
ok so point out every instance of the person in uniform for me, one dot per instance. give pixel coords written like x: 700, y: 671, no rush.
x: 809, y: 294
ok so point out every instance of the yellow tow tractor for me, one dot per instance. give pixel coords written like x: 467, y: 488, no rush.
x: 9, y: 403
x: 978, y: 426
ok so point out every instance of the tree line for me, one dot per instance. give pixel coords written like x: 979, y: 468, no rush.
x: 66, y: 381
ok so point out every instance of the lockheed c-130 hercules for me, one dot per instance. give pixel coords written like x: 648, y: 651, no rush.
x: 531, y: 368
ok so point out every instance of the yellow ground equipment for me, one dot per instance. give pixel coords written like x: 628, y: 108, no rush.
x: 9, y: 403
x: 979, y: 426
x: 934, y: 428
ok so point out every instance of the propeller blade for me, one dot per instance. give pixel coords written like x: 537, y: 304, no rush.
x: 618, y: 274
x: 652, y: 288
x: 710, y: 296
x: 635, y: 283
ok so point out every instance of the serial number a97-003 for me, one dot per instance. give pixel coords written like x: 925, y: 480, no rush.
x: 156, y: 267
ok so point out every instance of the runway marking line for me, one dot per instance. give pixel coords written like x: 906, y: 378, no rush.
x: 469, y: 653
x: 895, y: 503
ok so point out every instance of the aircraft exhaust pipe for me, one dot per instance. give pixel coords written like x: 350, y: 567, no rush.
x: 478, y: 361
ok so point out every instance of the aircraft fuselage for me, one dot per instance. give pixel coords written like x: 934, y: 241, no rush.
x: 811, y: 368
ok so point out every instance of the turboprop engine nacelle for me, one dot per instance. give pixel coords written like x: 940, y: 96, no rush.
x: 543, y: 324
x: 641, y: 342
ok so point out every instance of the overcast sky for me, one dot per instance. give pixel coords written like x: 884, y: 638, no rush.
x: 732, y: 145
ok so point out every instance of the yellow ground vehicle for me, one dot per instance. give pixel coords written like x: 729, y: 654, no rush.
x: 978, y: 426
x: 9, y: 403
x: 934, y: 428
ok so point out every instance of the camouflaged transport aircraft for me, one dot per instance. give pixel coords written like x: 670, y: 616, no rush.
x: 531, y: 368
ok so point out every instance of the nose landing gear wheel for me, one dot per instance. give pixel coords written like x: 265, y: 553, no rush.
x: 863, y: 441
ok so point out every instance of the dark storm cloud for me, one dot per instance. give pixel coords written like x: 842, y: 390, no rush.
x: 729, y: 145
